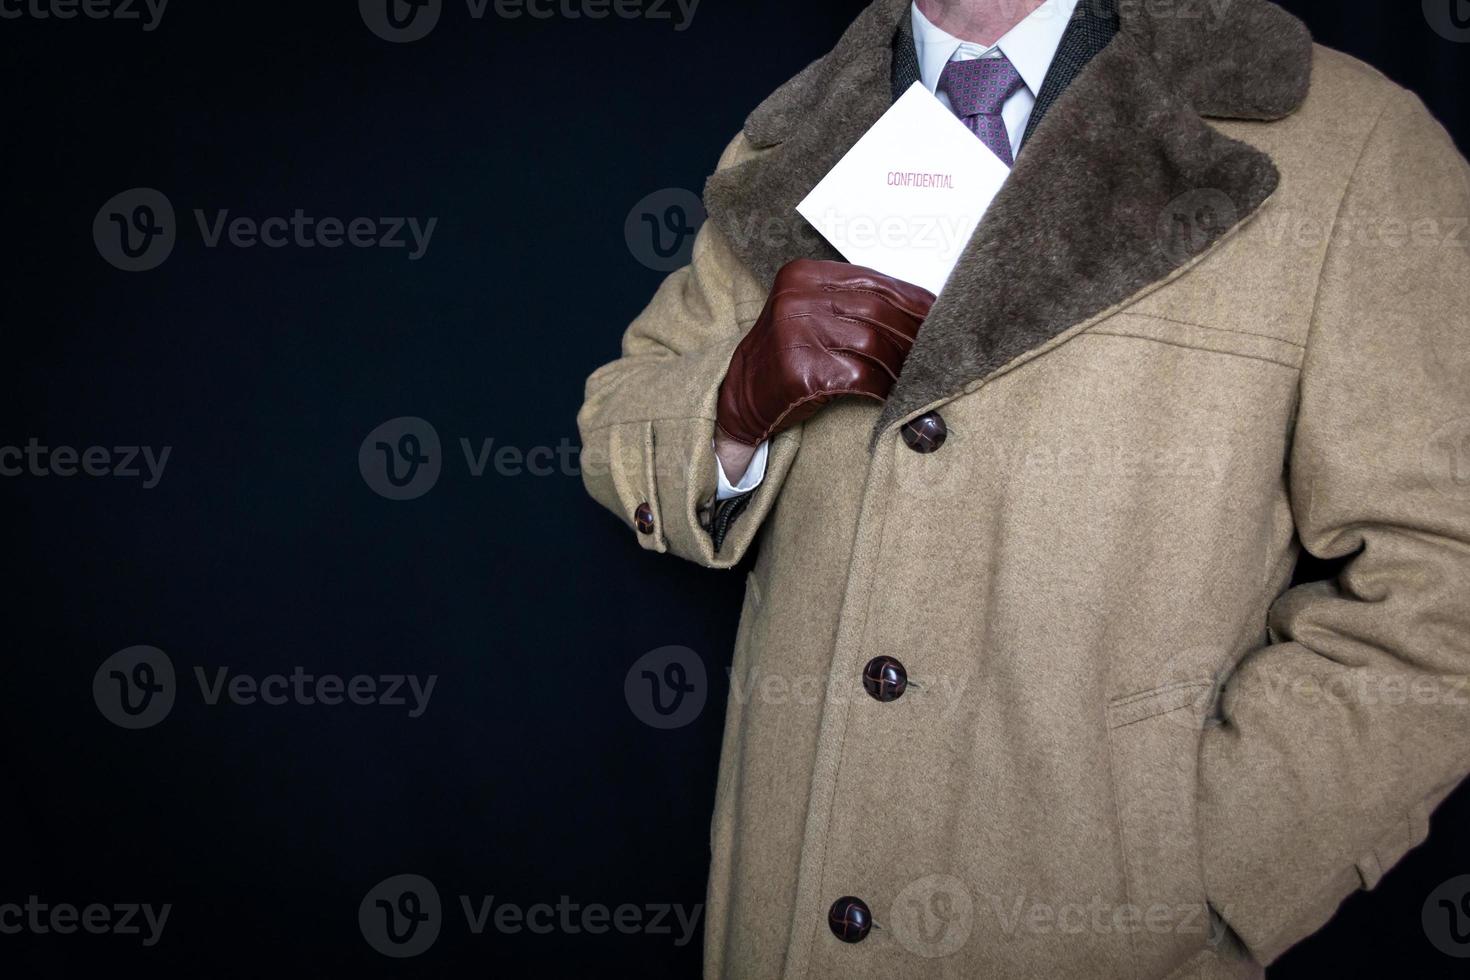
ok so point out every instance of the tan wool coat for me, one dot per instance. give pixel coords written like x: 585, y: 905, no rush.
x: 1215, y: 318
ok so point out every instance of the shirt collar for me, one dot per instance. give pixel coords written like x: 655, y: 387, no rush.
x: 1030, y: 45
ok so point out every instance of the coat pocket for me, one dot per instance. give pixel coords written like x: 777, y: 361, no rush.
x: 1153, y: 741
x: 1199, y: 337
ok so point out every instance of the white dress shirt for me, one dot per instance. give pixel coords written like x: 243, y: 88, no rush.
x: 1030, y: 46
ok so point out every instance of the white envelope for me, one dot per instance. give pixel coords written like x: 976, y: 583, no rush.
x: 908, y: 195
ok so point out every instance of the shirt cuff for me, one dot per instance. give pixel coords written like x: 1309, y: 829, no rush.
x: 754, y: 474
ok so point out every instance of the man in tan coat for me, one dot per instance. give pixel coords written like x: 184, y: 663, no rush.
x: 1021, y: 688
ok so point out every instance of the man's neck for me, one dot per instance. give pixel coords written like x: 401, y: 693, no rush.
x: 979, y: 21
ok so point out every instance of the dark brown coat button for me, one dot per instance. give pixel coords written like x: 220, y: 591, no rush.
x: 885, y: 679
x: 849, y: 919
x: 643, y: 517
x: 925, y: 433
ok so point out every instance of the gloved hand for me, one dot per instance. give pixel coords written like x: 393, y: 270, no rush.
x: 828, y: 329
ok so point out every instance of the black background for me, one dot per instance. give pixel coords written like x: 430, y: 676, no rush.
x: 262, y: 548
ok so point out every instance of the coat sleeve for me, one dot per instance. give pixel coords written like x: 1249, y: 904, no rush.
x: 648, y: 418
x: 1334, y: 742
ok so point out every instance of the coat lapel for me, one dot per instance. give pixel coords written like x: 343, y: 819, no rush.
x: 905, y: 59
x: 1093, y: 25
x: 1121, y: 181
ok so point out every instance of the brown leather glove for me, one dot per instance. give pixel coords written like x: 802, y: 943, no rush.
x: 828, y: 329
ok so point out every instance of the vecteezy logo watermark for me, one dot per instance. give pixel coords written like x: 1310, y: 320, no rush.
x: 401, y: 21
x: 122, y: 919
x: 666, y: 688
x: 1446, y: 459
x: 402, y: 916
x: 404, y: 21
x: 148, y: 12
x: 137, y: 230
x: 1446, y: 917
x: 1023, y: 914
x: 1190, y: 222
x: 933, y: 916
x: 1450, y: 19
x: 136, y: 688
x: 660, y: 229
x: 119, y: 461
x: 401, y: 459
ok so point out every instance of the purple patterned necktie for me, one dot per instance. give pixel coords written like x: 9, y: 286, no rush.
x: 977, y: 90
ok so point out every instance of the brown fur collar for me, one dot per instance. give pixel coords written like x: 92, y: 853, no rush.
x: 1121, y: 159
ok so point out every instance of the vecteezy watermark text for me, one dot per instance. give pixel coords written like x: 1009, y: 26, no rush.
x: 300, y: 687
x: 403, y: 458
x: 304, y: 231
x: 37, y: 460
x: 148, y: 12
x: 405, y: 21
x: 136, y: 688
x: 402, y: 916
x: 137, y: 230
x: 40, y: 918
